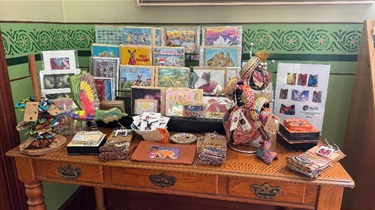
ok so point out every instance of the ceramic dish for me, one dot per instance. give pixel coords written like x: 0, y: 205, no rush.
x: 183, y: 138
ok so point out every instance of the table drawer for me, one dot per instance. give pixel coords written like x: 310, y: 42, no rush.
x: 70, y: 171
x: 279, y: 191
x: 155, y: 179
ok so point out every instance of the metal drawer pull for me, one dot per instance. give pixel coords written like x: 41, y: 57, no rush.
x: 162, y: 180
x: 68, y: 172
x: 265, y: 191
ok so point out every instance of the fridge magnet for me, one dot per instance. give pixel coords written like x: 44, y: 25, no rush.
x: 220, y: 56
x: 187, y: 37
x: 178, y: 77
x: 141, y: 36
x: 302, y: 79
x: 144, y: 92
x: 108, y: 35
x: 56, y: 80
x: 136, y: 55
x: 135, y: 76
x: 210, y: 79
x: 105, y: 88
x: 59, y: 59
x: 222, y: 36
x: 175, y: 98
x: 169, y: 56
x: 105, y: 50
x: 145, y: 105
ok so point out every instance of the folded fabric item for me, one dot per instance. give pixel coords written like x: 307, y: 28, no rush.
x: 114, y: 151
x: 211, y: 149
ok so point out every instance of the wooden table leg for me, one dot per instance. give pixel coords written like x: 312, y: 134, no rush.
x: 99, y: 197
x: 34, y: 193
x: 330, y: 197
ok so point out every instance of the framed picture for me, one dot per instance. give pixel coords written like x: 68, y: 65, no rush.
x: 187, y: 37
x: 136, y: 55
x: 153, y: 93
x: 222, y: 36
x: 108, y: 35
x: 105, y: 67
x: 220, y: 56
x: 135, y: 76
x: 59, y: 59
x: 138, y: 36
x: 50, y: 81
x: 105, y: 50
x: 178, y: 77
x: 175, y: 98
x: 145, y: 105
x: 105, y: 87
x: 57, y: 94
x: 216, y: 107
x: 168, y: 56
x: 194, y: 110
x: 210, y: 79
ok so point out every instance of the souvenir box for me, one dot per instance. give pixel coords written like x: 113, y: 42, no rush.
x: 302, y: 145
x: 297, y: 136
x: 88, y: 145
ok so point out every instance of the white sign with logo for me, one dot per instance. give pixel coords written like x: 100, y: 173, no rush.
x: 301, y: 91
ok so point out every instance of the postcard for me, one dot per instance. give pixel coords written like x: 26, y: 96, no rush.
x: 141, y: 36
x: 108, y: 35
x: 144, y: 92
x: 178, y: 77
x: 145, y: 105
x: 135, y: 76
x: 210, y: 79
x: 222, y: 36
x: 175, y: 98
x: 136, y: 55
x: 187, y: 37
x: 150, y: 121
x: 105, y: 50
x: 59, y: 59
x: 220, y: 56
x: 105, y: 87
x: 169, y: 56
x: 216, y: 107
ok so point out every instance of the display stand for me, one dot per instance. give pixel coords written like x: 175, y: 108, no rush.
x: 359, y: 140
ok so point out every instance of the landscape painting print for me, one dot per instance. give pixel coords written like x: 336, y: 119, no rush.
x: 221, y: 56
x: 105, y: 87
x: 135, y: 75
x: 222, y: 36
x: 169, y: 56
x: 136, y: 55
x: 105, y: 50
x: 138, y: 36
x: 187, y: 37
x: 172, y: 77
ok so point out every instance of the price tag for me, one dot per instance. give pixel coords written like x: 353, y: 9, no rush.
x: 272, y: 124
x: 31, y: 111
x: 53, y: 110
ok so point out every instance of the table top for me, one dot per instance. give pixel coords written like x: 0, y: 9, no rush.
x: 236, y: 165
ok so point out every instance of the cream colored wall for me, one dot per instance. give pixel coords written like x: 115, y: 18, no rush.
x: 127, y: 11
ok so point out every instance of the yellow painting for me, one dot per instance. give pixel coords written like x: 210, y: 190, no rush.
x: 136, y: 55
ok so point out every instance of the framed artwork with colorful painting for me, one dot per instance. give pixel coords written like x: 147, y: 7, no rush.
x: 105, y: 67
x: 210, y: 79
x: 59, y: 59
x: 178, y: 77
x: 222, y: 36
x: 220, y: 56
x: 136, y: 55
x: 141, y: 36
x: 105, y: 50
x: 105, y: 87
x: 56, y: 81
x: 145, y: 105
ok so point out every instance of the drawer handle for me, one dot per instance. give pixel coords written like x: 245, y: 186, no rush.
x: 162, y: 180
x: 68, y: 172
x: 265, y: 191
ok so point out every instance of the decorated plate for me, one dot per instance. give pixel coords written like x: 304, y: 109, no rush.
x: 183, y: 138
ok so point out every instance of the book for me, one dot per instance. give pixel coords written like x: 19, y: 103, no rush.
x: 86, y: 143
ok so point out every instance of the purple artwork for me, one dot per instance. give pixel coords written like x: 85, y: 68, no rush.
x: 223, y: 36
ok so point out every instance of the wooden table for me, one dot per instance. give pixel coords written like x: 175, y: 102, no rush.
x: 236, y: 180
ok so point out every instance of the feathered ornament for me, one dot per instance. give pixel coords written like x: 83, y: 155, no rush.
x: 85, y: 96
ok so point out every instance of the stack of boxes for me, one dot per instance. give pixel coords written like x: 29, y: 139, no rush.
x: 297, y: 135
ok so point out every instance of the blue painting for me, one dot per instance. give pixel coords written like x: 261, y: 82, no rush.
x: 137, y: 36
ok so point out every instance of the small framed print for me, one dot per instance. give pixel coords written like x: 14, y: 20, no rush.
x: 145, y: 105
x: 169, y: 56
x: 144, y: 92
x: 210, y: 79
x: 59, y: 59
x: 194, y: 110
x: 56, y: 80
x: 167, y: 76
x: 105, y: 87
x: 220, y: 56
x: 144, y: 36
x: 175, y: 98
x: 222, y: 36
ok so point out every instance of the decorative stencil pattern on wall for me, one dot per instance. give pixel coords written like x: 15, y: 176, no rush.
x: 303, y: 38
x: 21, y: 39
x: 24, y: 39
